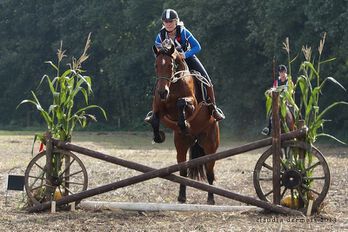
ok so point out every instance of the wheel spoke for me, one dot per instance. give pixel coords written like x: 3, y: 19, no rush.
x: 311, y: 167
x: 46, y: 185
x: 66, y: 188
x: 315, y: 178
x: 71, y: 182
x: 38, y: 178
x: 269, y: 193
x: 74, y: 173
x: 282, y: 195
x: 66, y: 168
x: 267, y: 166
x: 309, y: 189
x: 39, y: 166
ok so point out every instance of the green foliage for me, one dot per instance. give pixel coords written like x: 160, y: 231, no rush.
x: 310, y: 86
x: 62, y: 115
x: 238, y: 40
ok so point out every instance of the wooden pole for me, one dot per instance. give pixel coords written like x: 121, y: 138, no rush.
x: 276, y: 147
x: 166, y: 173
x: 49, y: 172
x: 140, y: 206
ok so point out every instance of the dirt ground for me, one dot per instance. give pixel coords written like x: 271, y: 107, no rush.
x: 233, y: 173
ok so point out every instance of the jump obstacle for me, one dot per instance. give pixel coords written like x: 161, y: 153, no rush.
x: 55, y: 146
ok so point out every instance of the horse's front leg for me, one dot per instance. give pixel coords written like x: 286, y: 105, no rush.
x: 185, y: 106
x: 158, y: 136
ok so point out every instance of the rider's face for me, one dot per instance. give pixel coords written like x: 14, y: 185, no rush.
x: 283, y: 75
x: 169, y: 25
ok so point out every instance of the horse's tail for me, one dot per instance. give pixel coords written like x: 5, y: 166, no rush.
x: 198, y: 172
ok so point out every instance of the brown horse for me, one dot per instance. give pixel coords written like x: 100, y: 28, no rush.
x: 176, y: 106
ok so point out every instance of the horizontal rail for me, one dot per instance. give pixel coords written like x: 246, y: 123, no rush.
x: 166, y: 173
x: 149, y: 207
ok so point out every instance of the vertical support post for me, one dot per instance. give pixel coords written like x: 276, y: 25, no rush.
x: 302, y: 138
x: 67, y: 172
x: 49, y: 172
x: 276, y: 147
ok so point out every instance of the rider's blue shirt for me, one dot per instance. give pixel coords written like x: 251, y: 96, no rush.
x: 186, y: 38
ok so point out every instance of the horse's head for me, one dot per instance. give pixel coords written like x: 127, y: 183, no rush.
x: 166, y: 58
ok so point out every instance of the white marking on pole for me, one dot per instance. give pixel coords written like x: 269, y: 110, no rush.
x: 309, y: 209
x: 53, y: 206
x: 140, y: 206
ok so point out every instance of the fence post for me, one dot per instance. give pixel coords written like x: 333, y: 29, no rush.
x: 276, y: 147
x: 49, y: 172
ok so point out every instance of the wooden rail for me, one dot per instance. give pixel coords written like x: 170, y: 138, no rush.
x: 166, y: 173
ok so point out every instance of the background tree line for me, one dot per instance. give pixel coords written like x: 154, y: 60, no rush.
x: 239, y: 40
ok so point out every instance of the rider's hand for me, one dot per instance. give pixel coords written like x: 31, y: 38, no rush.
x: 182, y: 55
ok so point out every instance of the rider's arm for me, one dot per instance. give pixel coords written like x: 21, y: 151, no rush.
x: 194, y: 44
x: 158, y: 41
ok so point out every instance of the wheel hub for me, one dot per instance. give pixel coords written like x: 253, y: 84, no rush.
x: 292, y: 179
x: 57, y: 181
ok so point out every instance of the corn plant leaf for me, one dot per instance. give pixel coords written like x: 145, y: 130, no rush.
x: 333, y: 80
x: 53, y: 65
x: 66, y: 73
x: 91, y: 107
x: 308, y: 65
x: 302, y: 83
x: 268, y: 104
x: 330, y: 107
x: 52, y: 108
x: 328, y: 60
x: 330, y: 136
x: 84, y: 92
x: 283, y: 109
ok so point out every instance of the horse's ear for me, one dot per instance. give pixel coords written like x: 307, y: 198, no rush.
x: 155, y: 50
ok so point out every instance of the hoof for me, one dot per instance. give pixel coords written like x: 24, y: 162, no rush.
x: 160, y: 137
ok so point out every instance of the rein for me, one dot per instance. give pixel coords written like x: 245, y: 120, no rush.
x: 174, y: 78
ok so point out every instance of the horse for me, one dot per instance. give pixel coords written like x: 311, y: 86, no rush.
x: 179, y: 106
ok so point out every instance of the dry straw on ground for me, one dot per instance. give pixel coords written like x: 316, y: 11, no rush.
x: 233, y: 173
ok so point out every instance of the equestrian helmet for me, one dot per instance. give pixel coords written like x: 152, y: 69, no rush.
x: 282, y: 68
x: 169, y: 14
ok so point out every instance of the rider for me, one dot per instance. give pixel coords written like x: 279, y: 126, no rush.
x: 187, y: 44
x: 282, y: 80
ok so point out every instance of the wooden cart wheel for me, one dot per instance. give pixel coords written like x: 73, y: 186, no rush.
x: 69, y: 179
x: 296, y: 186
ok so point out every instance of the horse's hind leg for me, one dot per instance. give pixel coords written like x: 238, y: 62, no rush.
x: 209, y: 167
x: 210, y: 142
x: 181, y: 145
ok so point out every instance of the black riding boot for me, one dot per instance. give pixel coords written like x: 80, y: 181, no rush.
x: 216, y: 112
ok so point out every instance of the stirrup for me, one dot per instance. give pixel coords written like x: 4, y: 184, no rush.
x: 265, y: 131
x: 219, y: 112
x: 148, y: 117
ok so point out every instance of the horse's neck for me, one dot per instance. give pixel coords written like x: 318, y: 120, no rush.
x: 185, y: 84
x: 182, y: 70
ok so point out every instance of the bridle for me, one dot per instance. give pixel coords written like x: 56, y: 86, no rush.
x: 178, y: 75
